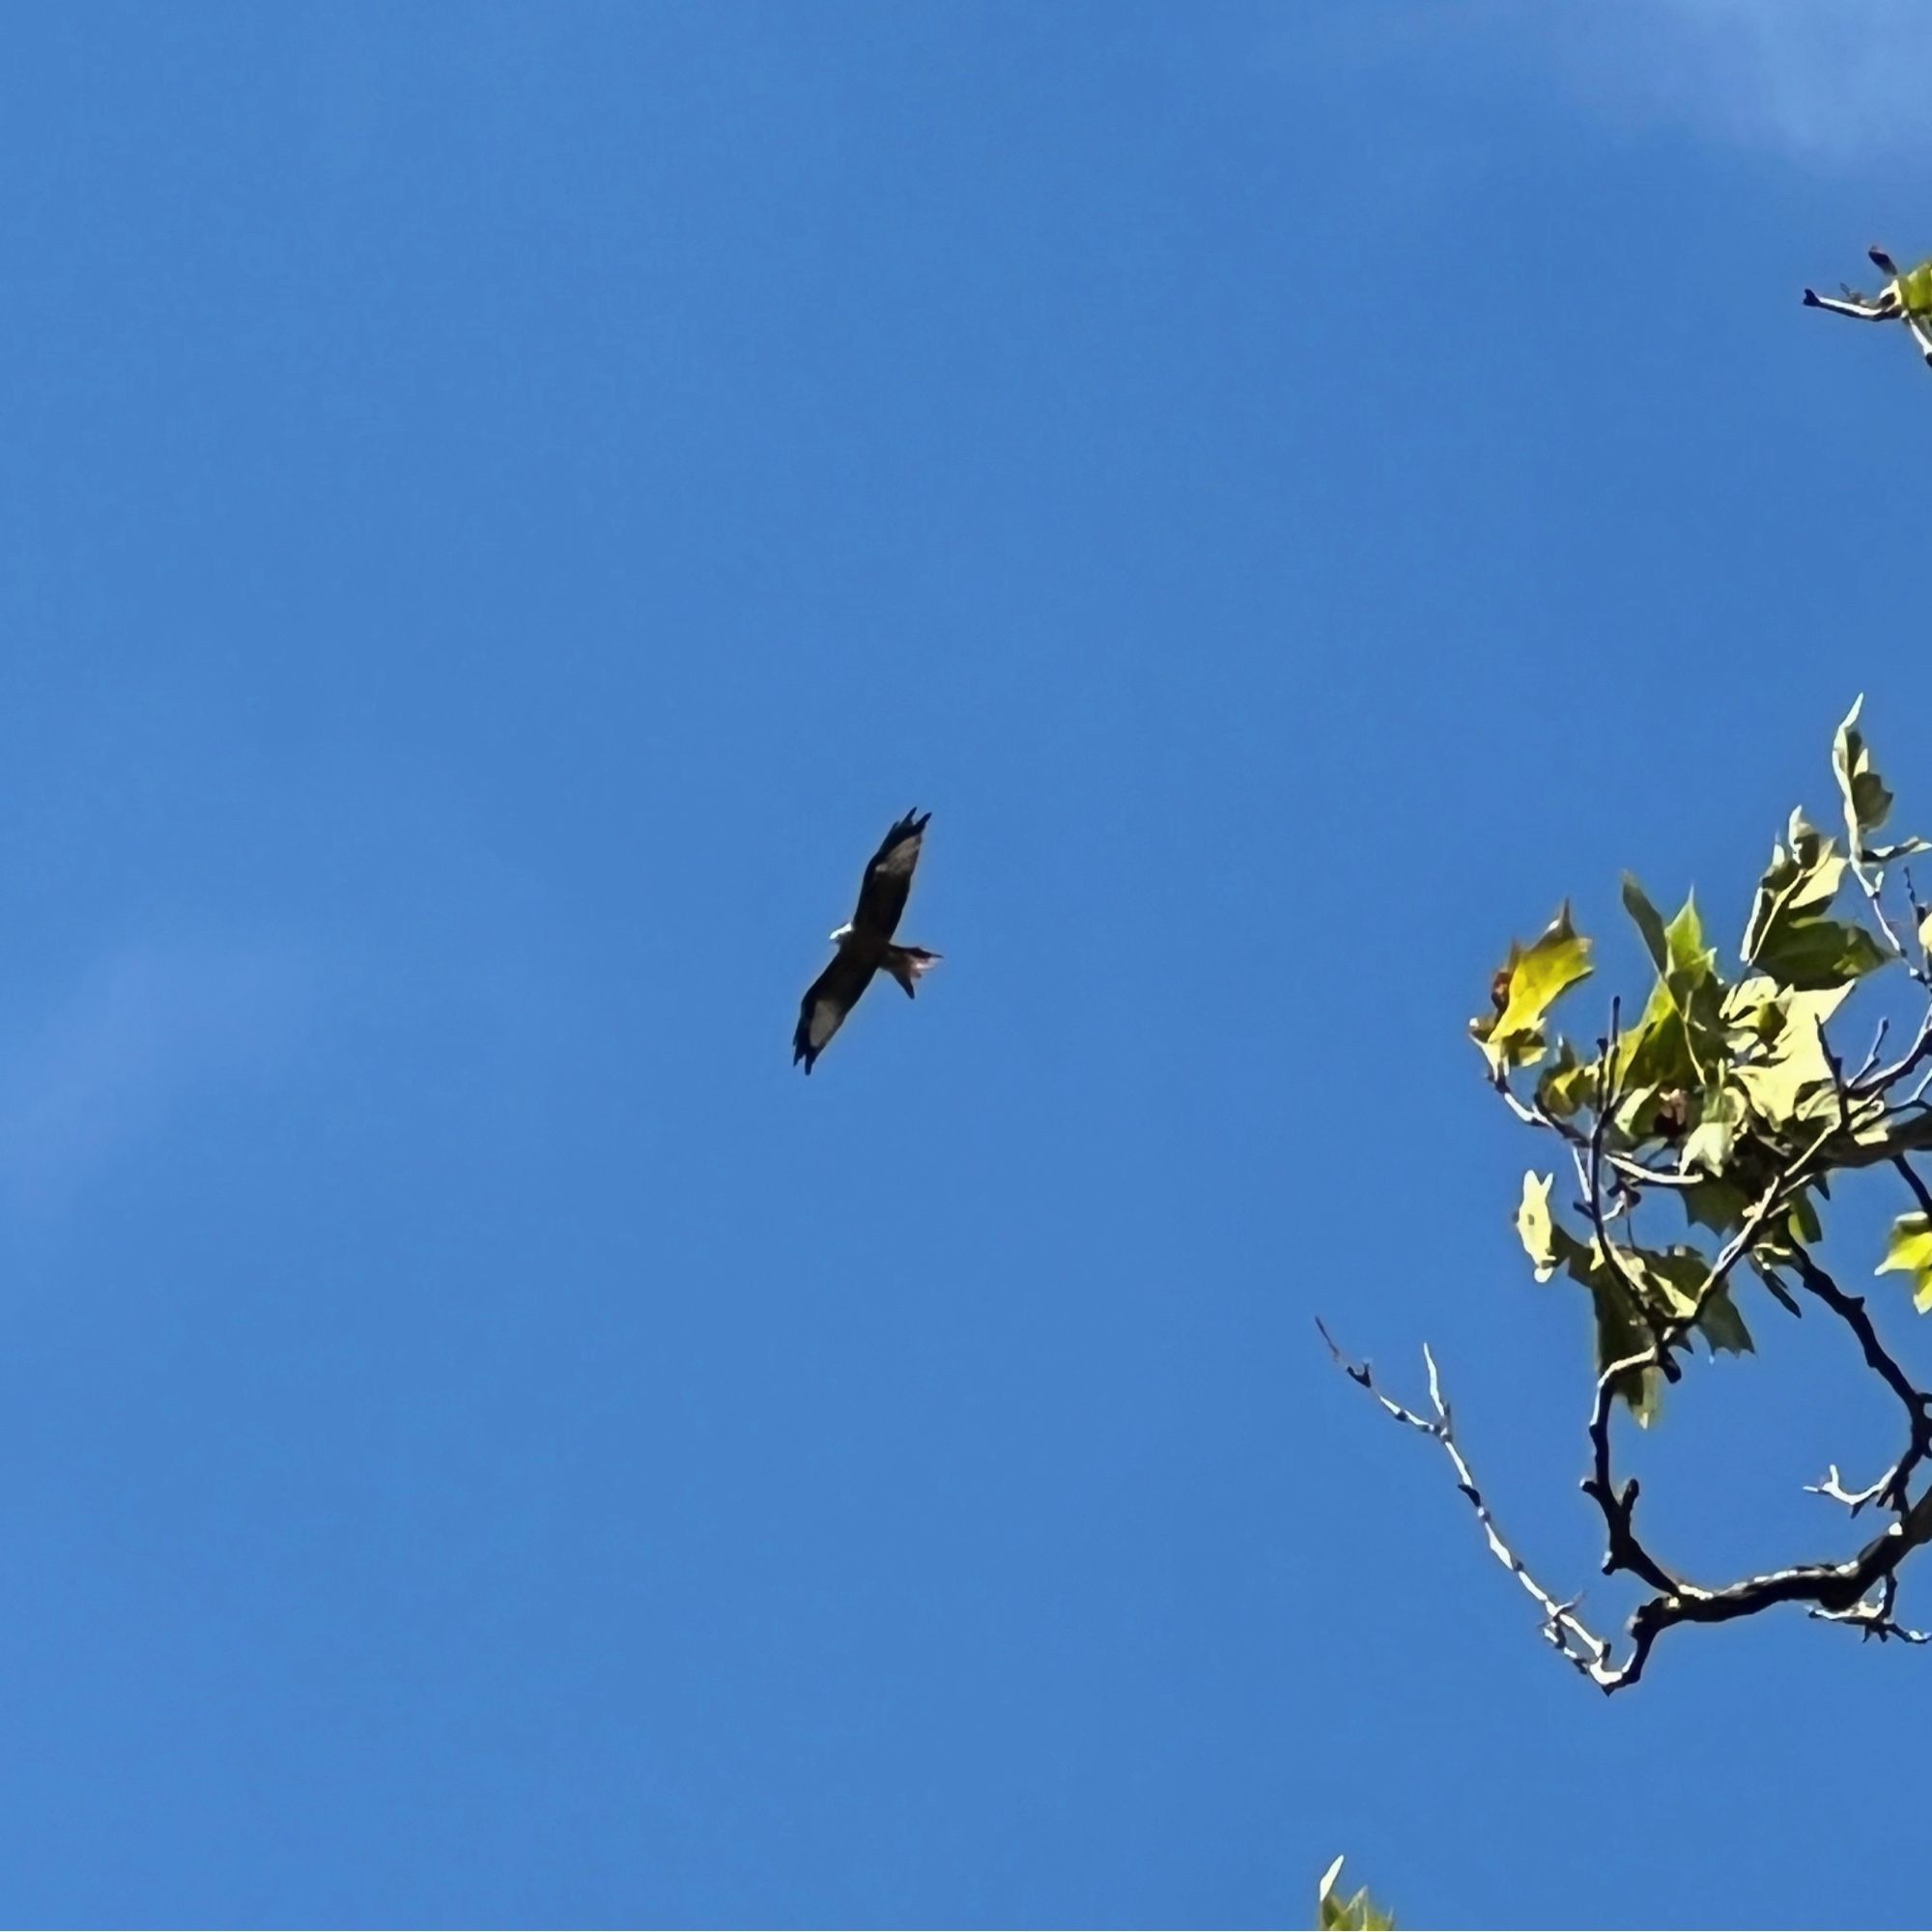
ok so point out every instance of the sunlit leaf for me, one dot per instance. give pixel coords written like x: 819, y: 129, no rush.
x: 1567, y: 1085
x: 1683, y: 941
x: 1534, y: 1227
x: 1682, y: 1031
x: 1538, y: 975
x: 1910, y: 1253
x: 1752, y: 1011
x: 1867, y: 803
x: 1707, y: 1147
x: 1792, y: 1082
x: 1789, y: 934
x: 1359, y: 1914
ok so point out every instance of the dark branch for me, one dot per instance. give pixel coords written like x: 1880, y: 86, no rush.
x: 1919, y: 1191
x: 1893, y: 1487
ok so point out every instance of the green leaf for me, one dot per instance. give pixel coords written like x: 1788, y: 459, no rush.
x: 1655, y: 1052
x: 1684, y: 941
x: 1722, y: 1326
x: 1717, y: 1205
x: 1752, y: 1011
x: 1567, y: 1084
x: 1910, y: 1253
x: 1803, y: 1219
x: 1359, y: 1914
x: 1682, y: 1031
x: 1802, y: 880
x: 1867, y: 803
x: 1648, y: 921
x: 1537, y: 976
x: 1672, y: 1278
x: 1791, y: 1082
x: 1789, y: 934
x: 1634, y: 1110
x: 1621, y: 1333
x: 1707, y: 1147
x: 1824, y: 952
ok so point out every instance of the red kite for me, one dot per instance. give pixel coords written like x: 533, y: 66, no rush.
x: 866, y: 942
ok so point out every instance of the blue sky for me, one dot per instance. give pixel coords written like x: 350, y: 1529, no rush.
x: 499, y: 507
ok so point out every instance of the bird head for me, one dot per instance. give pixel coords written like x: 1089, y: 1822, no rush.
x: 843, y: 933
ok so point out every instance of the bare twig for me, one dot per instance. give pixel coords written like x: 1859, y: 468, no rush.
x: 1833, y: 1488
x: 1561, y: 1625
x: 1917, y: 910
x: 1872, y: 1052
x: 1872, y: 1617
x: 1888, y: 1077
x: 1872, y: 885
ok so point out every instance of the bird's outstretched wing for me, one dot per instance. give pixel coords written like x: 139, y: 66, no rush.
x: 882, y: 893
x: 827, y: 1001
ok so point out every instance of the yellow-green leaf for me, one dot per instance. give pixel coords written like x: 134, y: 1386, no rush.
x: 1707, y: 1147
x: 1534, y: 1226
x: 1537, y: 976
x: 1793, y: 1081
x: 1684, y: 944
x: 1567, y: 1084
x: 1910, y: 1253
x: 1359, y: 1914
x: 1788, y: 934
x: 1682, y: 1032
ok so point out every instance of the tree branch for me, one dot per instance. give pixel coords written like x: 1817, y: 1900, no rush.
x: 1561, y: 1625
x: 1842, y: 1592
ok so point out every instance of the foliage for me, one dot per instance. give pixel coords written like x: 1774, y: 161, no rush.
x: 1359, y: 1914
x: 1727, y: 1095
x: 1730, y: 1108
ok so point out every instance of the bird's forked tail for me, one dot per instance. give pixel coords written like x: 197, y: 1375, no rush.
x: 906, y: 963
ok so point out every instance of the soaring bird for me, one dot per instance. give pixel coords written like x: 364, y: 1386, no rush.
x: 866, y: 942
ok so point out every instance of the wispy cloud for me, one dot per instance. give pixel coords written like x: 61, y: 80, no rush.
x: 141, y: 1033
x: 1833, y: 82
x: 1839, y: 85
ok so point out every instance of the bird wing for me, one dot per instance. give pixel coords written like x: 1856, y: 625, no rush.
x: 882, y: 893
x: 827, y: 1001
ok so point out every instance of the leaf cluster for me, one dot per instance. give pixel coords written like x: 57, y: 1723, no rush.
x: 1728, y: 1094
